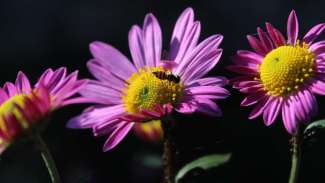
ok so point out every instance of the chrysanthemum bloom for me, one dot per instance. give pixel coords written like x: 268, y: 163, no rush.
x: 152, y: 86
x: 23, y: 106
x: 282, y: 76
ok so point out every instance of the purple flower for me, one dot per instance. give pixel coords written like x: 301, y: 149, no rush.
x: 152, y: 86
x: 23, y: 106
x: 282, y: 76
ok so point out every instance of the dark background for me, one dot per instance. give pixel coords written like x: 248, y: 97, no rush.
x: 38, y: 34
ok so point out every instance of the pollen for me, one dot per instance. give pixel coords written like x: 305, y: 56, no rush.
x: 285, y: 69
x: 149, y: 87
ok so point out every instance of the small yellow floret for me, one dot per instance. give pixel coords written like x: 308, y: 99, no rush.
x: 145, y: 90
x: 286, y: 68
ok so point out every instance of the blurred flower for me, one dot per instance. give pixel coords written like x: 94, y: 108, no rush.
x: 152, y: 86
x: 23, y: 106
x: 150, y: 131
x: 282, y: 76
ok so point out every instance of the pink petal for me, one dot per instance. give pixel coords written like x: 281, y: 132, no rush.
x: 10, y: 89
x: 265, y: 40
x: 275, y: 35
x: 22, y: 83
x: 292, y: 28
x: 256, y: 45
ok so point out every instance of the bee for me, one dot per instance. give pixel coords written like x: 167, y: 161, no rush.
x: 167, y: 76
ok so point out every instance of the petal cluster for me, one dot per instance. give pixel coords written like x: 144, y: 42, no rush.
x: 23, y: 107
x: 187, y: 62
x: 297, y: 103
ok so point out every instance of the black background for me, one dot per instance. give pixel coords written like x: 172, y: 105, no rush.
x: 38, y: 34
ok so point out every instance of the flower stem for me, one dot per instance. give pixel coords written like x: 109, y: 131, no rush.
x: 169, y: 151
x: 48, y: 159
x: 296, y: 156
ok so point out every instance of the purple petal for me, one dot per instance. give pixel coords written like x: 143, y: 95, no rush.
x: 117, y: 136
x: 272, y: 110
x: 259, y: 108
x: 209, y: 107
x: 45, y: 78
x: 96, y: 116
x: 313, y: 33
x: 208, y: 90
x: 114, y: 60
x: 209, y: 81
x: 137, y: 48
x: 181, y: 34
x: 186, y: 108
x: 288, y: 117
x: 101, y: 93
x: 248, y: 56
x: 100, y: 73
x: 188, y: 43
x: 253, y: 98
x: 22, y: 83
x: 318, y: 48
x: 208, y: 46
x: 152, y: 38
x: 201, y: 66
x: 246, y: 70
x: 292, y: 28
x: 318, y: 87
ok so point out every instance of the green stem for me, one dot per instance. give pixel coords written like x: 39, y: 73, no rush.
x: 48, y: 159
x: 296, y: 156
x: 169, y: 150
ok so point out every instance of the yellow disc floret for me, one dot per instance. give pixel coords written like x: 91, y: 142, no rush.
x: 286, y: 68
x: 9, y: 107
x: 149, y: 87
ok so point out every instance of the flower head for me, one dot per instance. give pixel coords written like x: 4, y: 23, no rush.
x: 23, y: 106
x: 126, y: 93
x: 282, y: 76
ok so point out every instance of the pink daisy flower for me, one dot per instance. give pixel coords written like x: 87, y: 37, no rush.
x: 23, y: 106
x: 282, y: 76
x: 126, y: 93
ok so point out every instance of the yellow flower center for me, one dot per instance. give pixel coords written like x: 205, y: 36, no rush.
x: 286, y: 68
x: 149, y: 87
x: 9, y: 108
